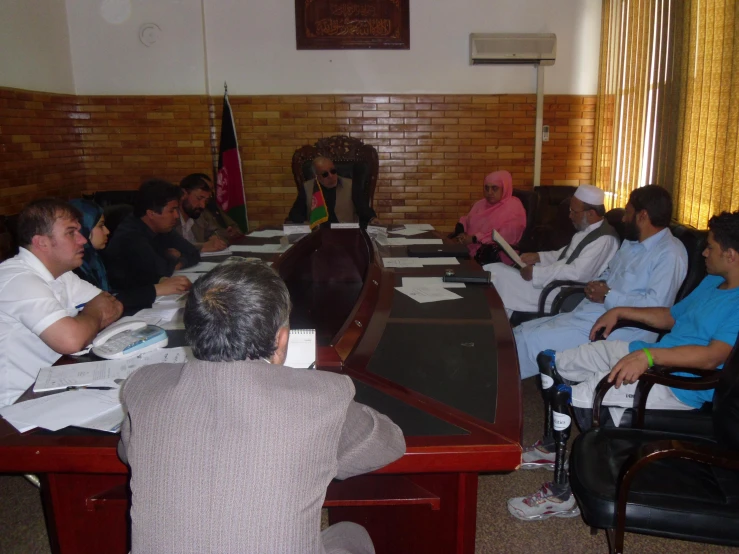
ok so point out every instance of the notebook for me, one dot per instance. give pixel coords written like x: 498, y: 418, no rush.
x: 301, y: 348
x: 438, y: 250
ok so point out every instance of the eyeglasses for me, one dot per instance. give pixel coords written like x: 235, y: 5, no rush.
x: 577, y: 211
x: 332, y: 171
x: 491, y: 188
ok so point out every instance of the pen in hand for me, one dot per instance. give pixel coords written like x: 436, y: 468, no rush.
x: 90, y: 388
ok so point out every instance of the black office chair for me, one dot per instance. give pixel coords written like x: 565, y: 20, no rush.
x: 671, y: 484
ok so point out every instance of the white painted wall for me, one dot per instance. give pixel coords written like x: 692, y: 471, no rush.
x: 251, y: 44
x: 34, y: 46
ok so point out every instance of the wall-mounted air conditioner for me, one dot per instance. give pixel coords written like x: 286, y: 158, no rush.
x: 513, y: 48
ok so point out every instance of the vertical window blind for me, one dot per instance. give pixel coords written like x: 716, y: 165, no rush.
x: 668, y: 103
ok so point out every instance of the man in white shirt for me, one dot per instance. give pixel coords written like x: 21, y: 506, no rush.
x: 45, y: 309
x: 647, y: 271
x: 583, y: 259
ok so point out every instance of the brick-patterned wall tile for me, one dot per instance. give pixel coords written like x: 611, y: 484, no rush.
x: 434, y: 150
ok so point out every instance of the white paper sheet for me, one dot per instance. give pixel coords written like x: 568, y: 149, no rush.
x: 439, y: 261
x: 296, y: 229
x: 57, y: 411
x: 424, y: 295
x: 345, y: 225
x: 408, y: 232
x: 261, y: 248
x: 192, y: 277
x: 225, y: 252
x: 508, y: 250
x: 425, y: 282
x: 78, y: 375
x: 267, y: 233
x: 402, y: 262
x: 419, y: 226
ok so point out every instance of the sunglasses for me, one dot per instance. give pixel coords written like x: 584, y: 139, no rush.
x: 332, y: 171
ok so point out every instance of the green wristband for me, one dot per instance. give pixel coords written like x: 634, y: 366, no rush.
x: 650, y: 360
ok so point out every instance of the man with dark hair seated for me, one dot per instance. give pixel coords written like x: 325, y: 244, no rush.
x: 145, y: 247
x: 647, y: 270
x: 197, y: 223
x: 702, y: 331
x: 233, y: 451
x: 45, y: 309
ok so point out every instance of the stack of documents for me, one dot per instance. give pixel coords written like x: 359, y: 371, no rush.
x: 84, y: 406
x: 406, y: 242
x: 267, y: 233
x: 429, y: 289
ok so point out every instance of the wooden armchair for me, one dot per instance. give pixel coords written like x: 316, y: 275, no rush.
x: 353, y: 160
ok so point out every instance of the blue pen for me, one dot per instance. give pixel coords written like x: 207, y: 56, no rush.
x: 80, y: 306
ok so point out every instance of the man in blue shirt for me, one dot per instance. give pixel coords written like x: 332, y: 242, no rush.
x: 646, y: 271
x: 703, y: 329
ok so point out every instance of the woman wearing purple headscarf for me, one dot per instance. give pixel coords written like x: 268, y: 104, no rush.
x: 499, y: 210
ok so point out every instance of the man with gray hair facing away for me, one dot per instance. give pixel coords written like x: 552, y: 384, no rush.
x: 232, y: 452
x: 345, y: 203
x: 583, y: 259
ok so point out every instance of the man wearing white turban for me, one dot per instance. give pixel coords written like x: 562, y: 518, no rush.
x: 583, y: 259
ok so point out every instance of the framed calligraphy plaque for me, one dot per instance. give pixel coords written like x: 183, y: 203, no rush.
x: 352, y: 24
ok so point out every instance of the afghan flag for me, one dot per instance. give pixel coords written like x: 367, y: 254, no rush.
x: 318, y: 209
x: 230, y: 182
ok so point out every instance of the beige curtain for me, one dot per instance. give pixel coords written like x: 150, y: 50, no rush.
x: 668, y: 73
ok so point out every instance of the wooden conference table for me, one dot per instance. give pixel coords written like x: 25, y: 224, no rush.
x: 445, y: 372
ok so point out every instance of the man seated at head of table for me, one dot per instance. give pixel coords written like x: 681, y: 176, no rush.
x: 233, y: 451
x: 647, y: 271
x: 330, y: 198
x: 45, y: 309
x: 583, y: 259
x: 145, y: 248
x: 197, y: 223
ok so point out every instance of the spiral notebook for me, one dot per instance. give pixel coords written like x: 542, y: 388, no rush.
x: 301, y: 348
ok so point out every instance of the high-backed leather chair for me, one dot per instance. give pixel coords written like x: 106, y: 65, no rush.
x: 353, y: 159
x: 530, y: 200
x: 8, y: 237
x: 116, y: 204
x: 671, y: 484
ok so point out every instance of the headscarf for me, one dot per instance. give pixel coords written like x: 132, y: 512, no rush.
x: 92, y: 269
x: 507, y: 216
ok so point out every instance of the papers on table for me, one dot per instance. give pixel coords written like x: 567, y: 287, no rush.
x: 345, y: 225
x: 192, y: 277
x: 428, y: 294
x: 430, y: 282
x: 406, y: 242
x: 407, y: 232
x: 418, y: 262
x: 402, y: 262
x: 225, y: 252
x: 170, y: 301
x: 267, y: 233
x: 261, y: 248
x: 296, y: 229
x: 77, y: 375
x: 79, y: 407
x: 508, y: 250
x: 419, y: 226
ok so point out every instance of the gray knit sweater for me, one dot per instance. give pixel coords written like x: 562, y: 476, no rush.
x: 236, y: 457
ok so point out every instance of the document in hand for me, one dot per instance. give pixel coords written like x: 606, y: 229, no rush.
x: 512, y: 254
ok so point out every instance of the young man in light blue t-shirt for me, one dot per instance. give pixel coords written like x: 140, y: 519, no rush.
x: 702, y: 331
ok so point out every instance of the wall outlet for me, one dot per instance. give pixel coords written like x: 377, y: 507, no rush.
x: 545, y: 133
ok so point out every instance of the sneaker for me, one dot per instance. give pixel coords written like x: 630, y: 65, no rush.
x: 538, y: 457
x: 544, y: 504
